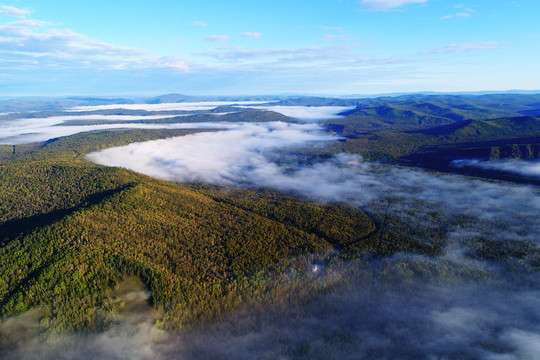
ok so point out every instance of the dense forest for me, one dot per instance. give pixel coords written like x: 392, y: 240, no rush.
x: 71, y: 229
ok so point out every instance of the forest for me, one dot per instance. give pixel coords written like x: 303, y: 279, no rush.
x: 72, y: 231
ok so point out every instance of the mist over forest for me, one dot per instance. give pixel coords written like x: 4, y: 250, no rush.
x: 449, y: 268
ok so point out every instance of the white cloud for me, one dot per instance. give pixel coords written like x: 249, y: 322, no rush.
x: 18, y: 131
x: 221, y: 157
x: 389, y: 4
x: 457, y: 15
x: 217, y: 38
x: 171, y: 62
x: 459, y: 48
x: 238, y: 54
x: 27, y: 43
x: 527, y: 343
x: 13, y: 11
x: 252, y: 35
x: 334, y: 57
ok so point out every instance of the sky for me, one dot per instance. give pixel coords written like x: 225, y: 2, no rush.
x: 240, y: 47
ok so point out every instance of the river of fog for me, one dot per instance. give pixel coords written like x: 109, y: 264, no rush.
x: 28, y: 130
x: 307, y: 113
x: 466, y: 308
x: 529, y: 168
x: 24, y: 134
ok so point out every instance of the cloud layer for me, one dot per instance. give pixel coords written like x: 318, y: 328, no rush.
x: 27, y: 44
x: 13, y: 11
x: 460, y: 48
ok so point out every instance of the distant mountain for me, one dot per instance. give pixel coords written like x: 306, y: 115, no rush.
x: 48, y: 104
x: 173, y: 98
x: 505, y: 103
x: 179, y: 98
x: 390, y: 115
x: 509, y: 137
x: 323, y: 101
x: 60, y: 104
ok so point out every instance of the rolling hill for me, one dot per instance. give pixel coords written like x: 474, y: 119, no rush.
x: 70, y: 230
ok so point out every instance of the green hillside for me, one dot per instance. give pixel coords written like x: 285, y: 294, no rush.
x: 396, y: 143
x: 508, y: 127
x: 390, y: 115
x: 70, y: 230
x: 79, y: 144
x: 410, y: 114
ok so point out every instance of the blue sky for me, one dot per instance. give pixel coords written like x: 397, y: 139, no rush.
x: 339, y: 47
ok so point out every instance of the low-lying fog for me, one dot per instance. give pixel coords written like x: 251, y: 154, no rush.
x: 31, y: 132
x: 258, y: 155
x: 307, y: 113
x: 466, y: 308
x: 529, y: 168
x: 183, y: 106
x: 27, y: 130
